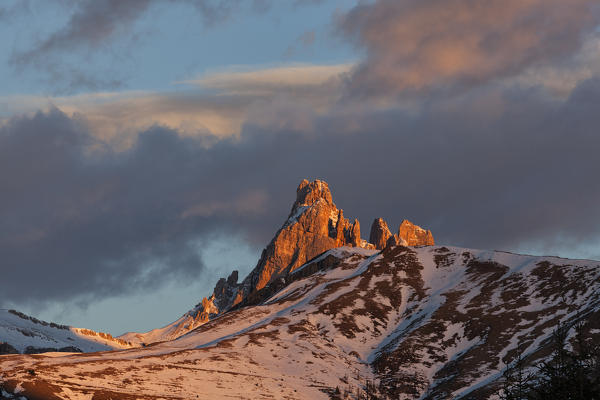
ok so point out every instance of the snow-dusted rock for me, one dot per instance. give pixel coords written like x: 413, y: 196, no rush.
x: 420, y: 322
x: 25, y: 334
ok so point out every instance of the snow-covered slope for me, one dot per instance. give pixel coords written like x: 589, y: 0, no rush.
x: 192, y: 319
x: 25, y: 334
x: 426, y: 322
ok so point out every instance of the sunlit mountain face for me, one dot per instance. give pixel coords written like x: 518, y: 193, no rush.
x: 149, y: 153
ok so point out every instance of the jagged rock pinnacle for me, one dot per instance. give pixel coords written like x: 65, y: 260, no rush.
x: 314, y: 226
x: 414, y: 235
x: 380, y: 233
x: 310, y: 192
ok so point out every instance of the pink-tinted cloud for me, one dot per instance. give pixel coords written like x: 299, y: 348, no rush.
x: 416, y: 45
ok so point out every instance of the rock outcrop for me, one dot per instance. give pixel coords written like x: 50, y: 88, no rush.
x: 225, y: 291
x: 415, y: 235
x: 380, y: 233
x: 313, y: 226
x: 6, y: 348
x: 408, y: 234
x: 222, y: 298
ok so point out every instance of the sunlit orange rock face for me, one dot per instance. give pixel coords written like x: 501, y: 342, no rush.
x: 380, y: 233
x: 408, y: 234
x: 314, y: 225
x: 415, y: 235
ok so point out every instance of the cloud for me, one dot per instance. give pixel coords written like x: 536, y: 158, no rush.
x: 113, y: 223
x: 414, y: 45
x: 108, y: 27
x: 92, y: 23
x: 15, y: 9
x: 500, y: 168
x: 242, y: 80
x: 215, y: 105
x: 252, y: 202
x: 305, y: 41
x: 496, y: 160
x: 91, y: 26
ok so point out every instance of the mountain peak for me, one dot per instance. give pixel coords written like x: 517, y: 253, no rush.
x: 380, y: 233
x: 408, y: 234
x: 314, y: 226
x: 308, y: 193
x: 414, y: 235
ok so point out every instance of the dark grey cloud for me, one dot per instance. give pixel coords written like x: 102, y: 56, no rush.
x: 80, y: 220
x: 501, y: 168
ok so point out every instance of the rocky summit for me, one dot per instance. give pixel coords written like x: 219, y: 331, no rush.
x: 380, y: 233
x: 408, y: 234
x: 314, y: 225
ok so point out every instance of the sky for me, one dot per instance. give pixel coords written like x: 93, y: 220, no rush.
x: 150, y: 147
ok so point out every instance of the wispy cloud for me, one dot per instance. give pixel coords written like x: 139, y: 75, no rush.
x: 245, y: 80
x: 95, y: 26
x: 117, y: 117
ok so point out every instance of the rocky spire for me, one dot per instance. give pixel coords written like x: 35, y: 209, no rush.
x: 308, y: 193
x: 314, y: 225
x: 414, y: 235
x: 380, y: 233
x: 225, y: 291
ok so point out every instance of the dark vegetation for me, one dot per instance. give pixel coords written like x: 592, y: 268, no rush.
x: 6, y: 348
x: 37, y: 321
x: 38, y: 350
x: 571, y: 373
x: 103, y: 335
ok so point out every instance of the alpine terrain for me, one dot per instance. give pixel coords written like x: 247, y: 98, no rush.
x: 328, y: 314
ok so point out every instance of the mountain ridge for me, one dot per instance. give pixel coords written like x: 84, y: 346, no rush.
x: 429, y: 322
x: 24, y: 334
x: 313, y: 226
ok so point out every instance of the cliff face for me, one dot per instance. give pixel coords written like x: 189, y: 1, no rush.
x: 415, y: 235
x: 314, y: 226
x: 380, y: 233
x: 408, y: 234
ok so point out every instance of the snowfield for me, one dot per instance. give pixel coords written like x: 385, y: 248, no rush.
x: 431, y: 322
x: 22, y: 332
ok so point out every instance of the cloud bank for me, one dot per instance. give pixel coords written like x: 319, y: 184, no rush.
x: 468, y: 137
x: 416, y: 45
